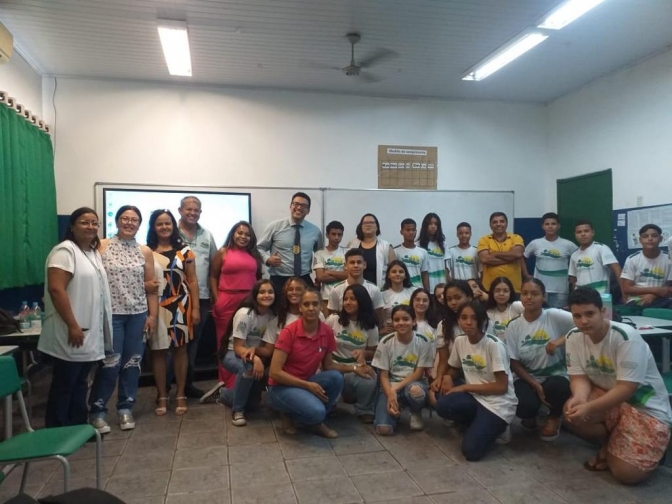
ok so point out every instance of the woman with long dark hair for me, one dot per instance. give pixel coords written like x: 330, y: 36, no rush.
x: 433, y: 241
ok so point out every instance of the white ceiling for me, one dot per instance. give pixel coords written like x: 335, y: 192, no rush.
x: 280, y: 43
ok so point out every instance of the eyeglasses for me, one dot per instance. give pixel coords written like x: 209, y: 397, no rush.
x: 302, y: 206
x: 129, y: 220
x: 94, y: 224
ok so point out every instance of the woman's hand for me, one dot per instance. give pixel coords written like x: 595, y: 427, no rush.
x: 436, y: 384
x: 150, y: 327
x: 447, y: 384
x: 257, y: 369
x: 393, y: 405
x: 75, y: 336
x: 551, y: 347
x: 365, y: 372
x: 152, y: 286
x: 249, y: 354
x: 195, y: 314
x: 540, y: 392
x: 317, y: 390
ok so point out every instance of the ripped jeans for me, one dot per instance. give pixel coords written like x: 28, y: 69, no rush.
x: 122, y: 365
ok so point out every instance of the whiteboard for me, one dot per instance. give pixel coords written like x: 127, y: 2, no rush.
x: 392, y: 206
x: 268, y: 203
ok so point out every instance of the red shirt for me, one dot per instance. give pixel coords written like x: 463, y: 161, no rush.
x: 304, y: 354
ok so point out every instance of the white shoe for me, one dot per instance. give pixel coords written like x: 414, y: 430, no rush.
x: 211, y: 395
x: 100, y: 425
x: 416, y: 421
x: 238, y: 419
x: 126, y: 422
x: 504, y: 437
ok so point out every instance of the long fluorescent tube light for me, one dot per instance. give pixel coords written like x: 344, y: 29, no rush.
x: 567, y: 12
x: 175, y: 42
x: 504, y: 56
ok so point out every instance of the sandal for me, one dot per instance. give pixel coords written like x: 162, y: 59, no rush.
x: 161, y: 410
x: 181, y: 410
x: 287, y: 425
x: 596, y: 464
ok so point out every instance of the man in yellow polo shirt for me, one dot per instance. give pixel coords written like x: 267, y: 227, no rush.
x: 500, y: 253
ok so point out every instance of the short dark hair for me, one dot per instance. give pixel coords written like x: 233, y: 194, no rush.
x: 648, y: 227
x: 465, y: 224
x: 334, y: 224
x: 126, y: 208
x: 498, y: 214
x: 585, y: 296
x: 583, y: 222
x: 479, y: 311
x: 358, y: 231
x: 301, y: 195
x: 353, y: 252
x: 550, y: 215
x: 72, y: 220
x: 408, y: 222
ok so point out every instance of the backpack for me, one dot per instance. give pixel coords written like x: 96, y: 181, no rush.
x: 8, y: 324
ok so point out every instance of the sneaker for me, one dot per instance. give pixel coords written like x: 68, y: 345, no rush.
x: 449, y: 423
x: 238, y: 419
x: 366, y: 418
x: 504, y: 437
x: 550, y: 431
x: 126, y: 422
x: 193, y: 392
x: 416, y: 422
x: 529, y: 424
x: 211, y: 395
x: 100, y: 425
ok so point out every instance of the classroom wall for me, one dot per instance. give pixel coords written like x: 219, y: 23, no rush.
x: 132, y: 132
x: 623, y: 122
x: 22, y: 82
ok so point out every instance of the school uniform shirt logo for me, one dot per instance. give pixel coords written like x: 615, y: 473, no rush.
x: 435, y: 252
x: 602, y: 364
x: 539, y: 338
x: 466, y: 260
x: 355, y: 337
x: 474, y: 361
x: 241, y: 327
x: 653, y: 273
x: 334, y: 263
x: 500, y: 326
x: 410, y: 360
x: 413, y: 260
x: 552, y: 253
x: 585, y: 262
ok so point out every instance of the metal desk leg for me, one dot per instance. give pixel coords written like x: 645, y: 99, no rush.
x: 8, y: 416
x: 666, y: 355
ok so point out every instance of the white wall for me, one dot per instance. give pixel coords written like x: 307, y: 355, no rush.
x: 130, y: 132
x: 623, y: 122
x: 22, y: 82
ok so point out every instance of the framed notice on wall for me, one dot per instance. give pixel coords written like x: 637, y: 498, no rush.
x: 404, y: 167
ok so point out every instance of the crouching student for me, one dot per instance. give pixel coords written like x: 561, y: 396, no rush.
x: 486, y: 403
x: 618, y: 396
x: 402, y: 358
x: 302, y: 395
x: 535, y: 341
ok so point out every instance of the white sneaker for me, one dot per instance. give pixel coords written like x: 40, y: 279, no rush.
x: 416, y: 421
x: 100, y: 425
x: 126, y: 422
x: 238, y: 419
x: 504, y: 437
x: 211, y: 395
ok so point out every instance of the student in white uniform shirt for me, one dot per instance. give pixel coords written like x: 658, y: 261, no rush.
x: 414, y: 257
x: 433, y: 241
x: 536, y: 342
x: 426, y: 318
x: 354, y: 267
x: 501, y: 306
x: 551, y: 260
x: 462, y: 259
x: 590, y: 265
x: 396, y: 290
x: 356, y: 340
x: 618, y: 396
x: 329, y: 262
x: 646, y: 279
x: 486, y: 403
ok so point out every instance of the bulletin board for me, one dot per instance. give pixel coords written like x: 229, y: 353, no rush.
x: 407, y: 167
x: 628, y: 221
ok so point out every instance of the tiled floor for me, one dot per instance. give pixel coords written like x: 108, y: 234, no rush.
x: 202, y: 458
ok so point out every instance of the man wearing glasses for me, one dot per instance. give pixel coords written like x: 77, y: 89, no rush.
x: 287, y: 245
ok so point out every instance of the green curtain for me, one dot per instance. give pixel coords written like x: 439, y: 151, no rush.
x: 28, y: 221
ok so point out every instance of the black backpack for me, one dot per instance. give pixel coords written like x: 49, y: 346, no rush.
x: 8, y: 324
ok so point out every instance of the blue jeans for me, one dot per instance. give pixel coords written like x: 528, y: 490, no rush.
x: 483, y: 426
x: 122, y: 365
x: 360, y: 390
x: 405, y: 399
x: 303, y: 407
x: 557, y: 300
x: 240, y: 394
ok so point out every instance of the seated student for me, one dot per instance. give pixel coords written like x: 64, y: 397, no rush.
x: 551, y: 260
x: 329, y: 262
x: 414, y: 257
x: 301, y: 394
x: 356, y: 339
x: 589, y: 265
x: 462, y: 259
x: 433, y: 241
x: 238, y: 351
x: 402, y: 359
x: 647, y: 275
x: 397, y: 289
x: 618, y: 396
x: 501, y: 306
x: 535, y: 341
x: 479, y: 291
x: 486, y: 403
x: 354, y: 267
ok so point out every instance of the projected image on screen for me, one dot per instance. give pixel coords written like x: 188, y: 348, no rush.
x: 220, y: 211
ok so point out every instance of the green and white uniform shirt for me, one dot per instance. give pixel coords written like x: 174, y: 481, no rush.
x: 591, y: 267
x: 349, y: 338
x: 329, y: 260
x: 551, y: 264
x: 462, y: 263
x: 399, y: 359
x: 647, y: 272
x: 416, y: 261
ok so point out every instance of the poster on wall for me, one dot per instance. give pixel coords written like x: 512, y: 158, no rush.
x: 636, y: 218
x: 407, y: 167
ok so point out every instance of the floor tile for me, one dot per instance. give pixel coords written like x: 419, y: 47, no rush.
x: 307, y: 469
x: 211, y: 497
x: 213, y: 456
x: 56, y: 487
x: 155, y: 461
x: 199, y: 478
x: 476, y: 496
x: 443, y: 479
x: 138, y: 484
x: 533, y: 493
x: 141, y: 445
x: 264, y: 494
x: 408, y: 500
x: 155, y: 499
x: 250, y: 435
x: 592, y: 489
x: 355, y: 444
x: 304, y: 445
x: 658, y: 485
x: 330, y: 491
x: 87, y: 469
x: 204, y: 425
x: 211, y: 412
x: 420, y: 456
x: 494, y: 473
x: 193, y: 440
x: 156, y: 429
x: 242, y: 475
x: 369, y: 463
x: 39, y: 474
x: 111, y: 448
x: 386, y: 486
x: 255, y: 453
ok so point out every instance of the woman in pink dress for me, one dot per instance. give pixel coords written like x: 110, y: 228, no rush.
x: 233, y: 272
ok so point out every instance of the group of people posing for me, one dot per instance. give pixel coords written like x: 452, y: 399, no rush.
x: 464, y: 330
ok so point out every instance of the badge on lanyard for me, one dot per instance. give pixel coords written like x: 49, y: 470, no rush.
x: 296, y: 249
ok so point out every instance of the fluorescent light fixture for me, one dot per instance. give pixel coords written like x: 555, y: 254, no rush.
x: 504, y: 55
x: 567, y: 12
x: 175, y: 43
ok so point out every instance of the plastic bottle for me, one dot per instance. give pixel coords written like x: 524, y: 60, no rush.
x: 36, y: 316
x: 24, y: 316
x: 608, y: 304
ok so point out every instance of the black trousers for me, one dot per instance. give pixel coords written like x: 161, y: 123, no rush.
x: 556, y: 391
x: 279, y: 282
x: 66, y: 404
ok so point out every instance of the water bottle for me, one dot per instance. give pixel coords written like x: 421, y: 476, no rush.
x: 36, y: 317
x: 24, y: 316
x: 608, y: 304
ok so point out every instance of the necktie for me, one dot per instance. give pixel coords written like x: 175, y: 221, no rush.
x: 297, y: 250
